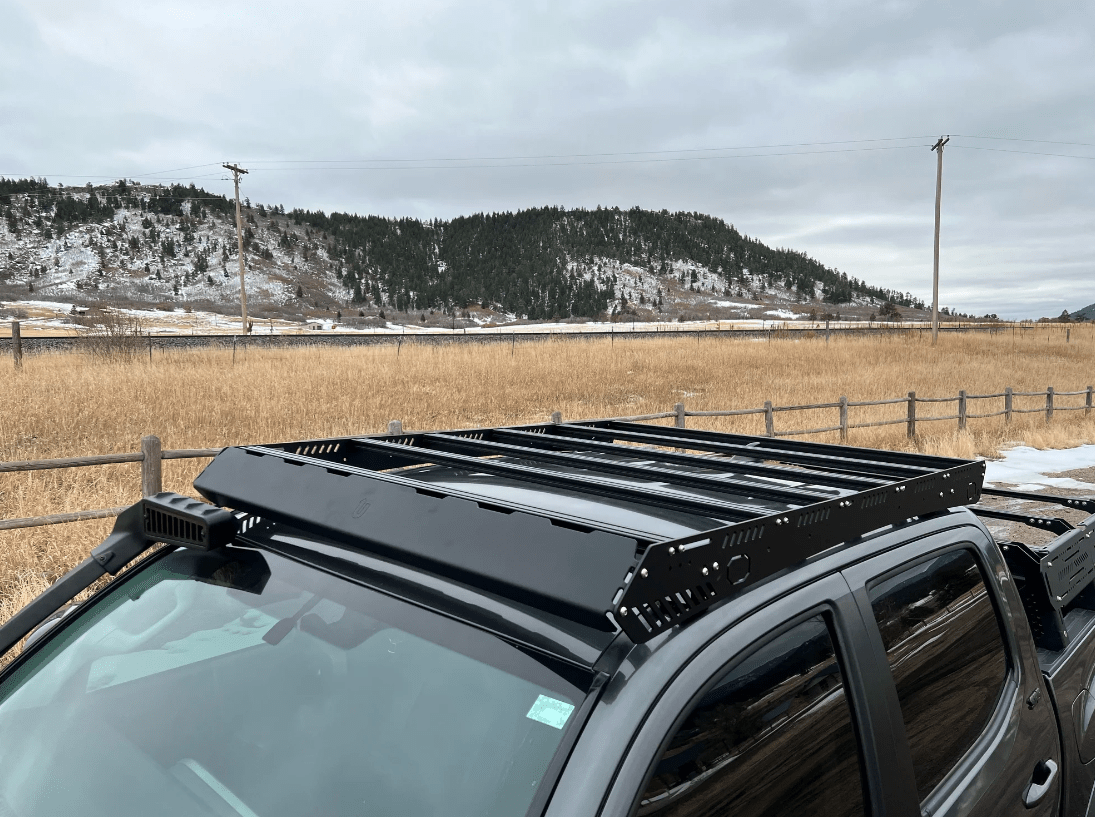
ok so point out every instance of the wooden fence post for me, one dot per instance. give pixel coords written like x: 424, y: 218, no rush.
x: 961, y: 409
x: 679, y: 408
x: 1049, y: 403
x: 151, y: 465
x: 395, y: 426
x: 1007, y: 405
x: 843, y: 418
x: 769, y: 420
x: 16, y: 345
x: 1087, y: 403
x: 557, y: 417
x: 910, y: 431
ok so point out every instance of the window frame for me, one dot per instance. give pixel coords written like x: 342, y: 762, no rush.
x: 828, y: 597
x: 988, y: 754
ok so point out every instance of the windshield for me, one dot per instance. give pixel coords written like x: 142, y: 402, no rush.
x: 247, y: 684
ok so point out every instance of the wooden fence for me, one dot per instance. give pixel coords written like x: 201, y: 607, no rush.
x: 151, y: 457
x: 151, y: 454
x: 962, y: 414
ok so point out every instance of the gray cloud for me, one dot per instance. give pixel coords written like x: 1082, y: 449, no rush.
x: 125, y: 88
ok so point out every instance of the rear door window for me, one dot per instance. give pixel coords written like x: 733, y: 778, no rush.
x: 773, y: 736
x: 946, y: 652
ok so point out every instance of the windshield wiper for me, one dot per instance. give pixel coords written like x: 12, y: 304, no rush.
x: 281, y: 629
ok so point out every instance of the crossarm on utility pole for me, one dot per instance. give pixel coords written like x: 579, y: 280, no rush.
x: 236, y: 171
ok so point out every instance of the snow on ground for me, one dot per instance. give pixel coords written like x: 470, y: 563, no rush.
x: 54, y: 317
x: 733, y: 304
x: 784, y: 314
x: 1027, y: 468
x: 55, y: 306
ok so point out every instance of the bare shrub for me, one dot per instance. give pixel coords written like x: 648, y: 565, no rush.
x: 109, y: 335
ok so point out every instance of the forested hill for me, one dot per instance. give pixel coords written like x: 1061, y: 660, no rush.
x: 150, y: 243
x: 549, y: 261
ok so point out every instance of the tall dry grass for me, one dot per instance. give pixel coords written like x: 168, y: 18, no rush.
x: 68, y: 405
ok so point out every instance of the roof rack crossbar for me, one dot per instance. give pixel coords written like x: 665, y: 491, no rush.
x: 547, y: 447
x: 601, y: 440
x: 815, y: 473
x: 1086, y: 504
x: 418, y: 453
x: 828, y: 457
x: 1054, y: 524
x: 800, y: 479
x: 919, y: 463
x: 335, y: 461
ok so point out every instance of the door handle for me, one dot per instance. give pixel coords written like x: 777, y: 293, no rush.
x: 1040, y: 783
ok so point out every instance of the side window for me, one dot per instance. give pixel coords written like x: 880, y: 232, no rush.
x: 773, y: 737
x: 946, y: 653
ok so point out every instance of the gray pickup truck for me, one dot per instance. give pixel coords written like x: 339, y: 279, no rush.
x: 600, y: 618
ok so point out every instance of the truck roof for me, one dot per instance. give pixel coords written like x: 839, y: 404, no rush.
x: 607, y: 524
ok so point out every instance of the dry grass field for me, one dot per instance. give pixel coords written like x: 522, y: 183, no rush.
x: 70, y: 405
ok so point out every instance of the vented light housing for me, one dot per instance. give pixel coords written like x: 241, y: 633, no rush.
x: 180, y: 520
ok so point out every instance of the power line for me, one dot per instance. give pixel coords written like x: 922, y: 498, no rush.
x: 407, y: 164
x: 596, y: 162
x: 669, y: 152
x: 1027, y: 152
x: 1036, y: 141
x: 108, y: 176
x: 590, y: 155
x: 588, y: 159
x: 179, y: 169
x: 59, y: 194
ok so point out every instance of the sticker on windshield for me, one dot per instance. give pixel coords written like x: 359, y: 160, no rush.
x: 551, y: 711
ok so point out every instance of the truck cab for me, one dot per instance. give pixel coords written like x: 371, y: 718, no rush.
x: 598, y: 618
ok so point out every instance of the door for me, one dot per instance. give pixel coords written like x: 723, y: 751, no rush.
x: 974, y: 726
x: 767, y: 720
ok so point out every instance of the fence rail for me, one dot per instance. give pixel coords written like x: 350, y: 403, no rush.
x: 151, y: 455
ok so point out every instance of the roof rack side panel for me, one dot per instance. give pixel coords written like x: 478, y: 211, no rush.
x: 679, y: 579
x: 515, y: 555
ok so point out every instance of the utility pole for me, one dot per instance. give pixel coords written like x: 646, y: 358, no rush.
x: 236, y: 171
x: 938, y: 147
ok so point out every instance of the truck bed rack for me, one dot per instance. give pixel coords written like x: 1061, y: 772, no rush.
x: 1054, y: 578
x: 758, y: 506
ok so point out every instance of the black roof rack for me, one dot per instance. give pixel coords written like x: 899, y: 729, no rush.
x: 757, y: 505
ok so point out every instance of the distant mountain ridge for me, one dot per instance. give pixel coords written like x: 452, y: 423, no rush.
x: 1085, y: 314
x: 549, y: 262
x: 151, y: 243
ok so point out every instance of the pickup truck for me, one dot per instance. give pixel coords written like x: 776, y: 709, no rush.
x: 595, y: 618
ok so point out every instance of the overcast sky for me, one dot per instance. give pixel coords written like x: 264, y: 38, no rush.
x: 309, y: 96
